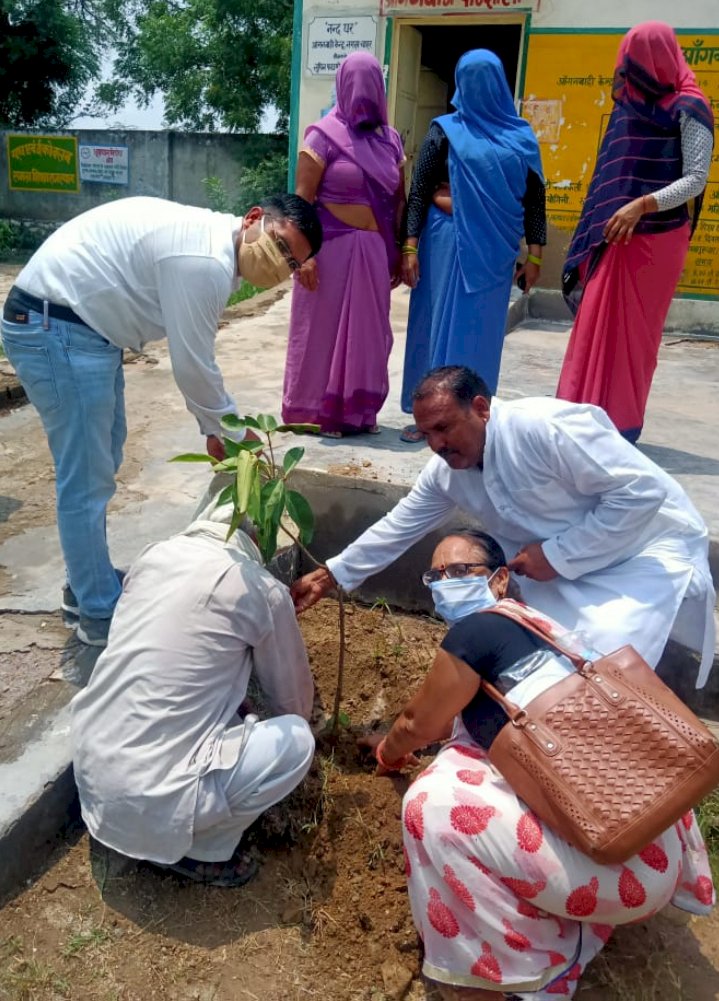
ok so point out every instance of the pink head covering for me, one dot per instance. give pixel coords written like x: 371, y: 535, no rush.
x: 357, y: 125
x: 361, y: 100
x: 651, y: 70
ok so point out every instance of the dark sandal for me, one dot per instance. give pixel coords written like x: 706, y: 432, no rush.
x: 237, y: 871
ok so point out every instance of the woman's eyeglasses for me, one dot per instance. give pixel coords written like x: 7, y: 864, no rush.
x: 452, y: 571
x: 292, y: 262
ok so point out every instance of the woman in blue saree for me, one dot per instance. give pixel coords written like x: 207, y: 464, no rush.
x: 477, y: 188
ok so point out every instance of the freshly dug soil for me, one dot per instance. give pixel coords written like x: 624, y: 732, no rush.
x: 328, y: 916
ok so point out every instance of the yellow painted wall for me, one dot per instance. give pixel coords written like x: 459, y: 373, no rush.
x: 567, y: 99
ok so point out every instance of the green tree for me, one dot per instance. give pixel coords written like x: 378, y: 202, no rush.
x: 218, y: 63
x: 49, y: 53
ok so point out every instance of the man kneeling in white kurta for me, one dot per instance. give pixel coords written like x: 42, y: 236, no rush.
x: 165, y: 769
x: 609, y: 543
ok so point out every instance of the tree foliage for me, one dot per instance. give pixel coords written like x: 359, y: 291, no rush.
x: 255, y: 183
x: 49, y: 52
x: 218, y: 63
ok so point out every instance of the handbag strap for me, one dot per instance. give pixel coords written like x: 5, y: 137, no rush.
x: 517, y: 613
x: 514, y: 611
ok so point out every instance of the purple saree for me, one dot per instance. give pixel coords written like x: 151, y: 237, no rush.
x: 340, y: 336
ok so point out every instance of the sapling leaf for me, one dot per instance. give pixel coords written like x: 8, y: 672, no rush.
x: 267, y: 422
x: 246, y: 473
x: 343, y: 719
x: 226, y: 495
x: 233, y: 421
x: 234, y: 524
x: 254, y: 503
x: 232, y: 448
x: 298, y: 428
x: 273, y: 495
x: 299, y: 510
x: 272, y: 504
x: 292, y: 457
x: 194, y: 457
x: 250, y: 422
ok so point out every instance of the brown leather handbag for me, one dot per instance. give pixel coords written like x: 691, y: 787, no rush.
x: 608, y: 757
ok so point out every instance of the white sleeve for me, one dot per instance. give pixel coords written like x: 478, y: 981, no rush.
x: 193, y: 292
x: 596, y: 463
x: 425, y: 507
x: 697, y: 146
x: 280, y: 659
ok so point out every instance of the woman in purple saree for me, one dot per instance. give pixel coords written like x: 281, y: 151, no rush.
x: 351, y: 167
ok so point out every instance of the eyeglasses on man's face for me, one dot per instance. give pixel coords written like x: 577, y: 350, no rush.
x: 452, y: 571
x: 292, y: 262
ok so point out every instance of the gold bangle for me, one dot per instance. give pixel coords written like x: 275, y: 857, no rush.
x: 533, y: 259
x: 409, y: 249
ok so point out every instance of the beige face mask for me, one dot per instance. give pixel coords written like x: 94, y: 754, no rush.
x: 261, y: 262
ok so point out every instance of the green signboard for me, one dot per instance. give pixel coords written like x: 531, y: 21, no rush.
x: 42, y: 163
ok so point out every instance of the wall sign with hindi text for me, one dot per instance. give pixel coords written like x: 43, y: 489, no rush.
x: 42, y: 163
x: 453, y: 6
x: 105, y: 164
x: 332, y: 39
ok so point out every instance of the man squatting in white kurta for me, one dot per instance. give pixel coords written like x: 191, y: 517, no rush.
x: 609, y: 543
x: 164, y: 766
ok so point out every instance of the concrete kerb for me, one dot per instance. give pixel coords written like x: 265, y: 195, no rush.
x: 39, y: 801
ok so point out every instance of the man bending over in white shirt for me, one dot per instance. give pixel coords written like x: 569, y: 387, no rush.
x: 165, y: 769
x: 608, y: 543
x: 118, y: 276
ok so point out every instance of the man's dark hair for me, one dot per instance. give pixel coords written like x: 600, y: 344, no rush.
x: 299, y: 211
x: 460, y: 381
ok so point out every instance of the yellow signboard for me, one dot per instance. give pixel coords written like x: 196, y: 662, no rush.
x: 42, y: 163
x: 568, y: 100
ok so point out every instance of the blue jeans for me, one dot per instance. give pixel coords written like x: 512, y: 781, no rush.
x: 74, y: 378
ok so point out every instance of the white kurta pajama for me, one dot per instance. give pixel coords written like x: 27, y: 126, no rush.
x: 630, y: 549
x: 163, y: 765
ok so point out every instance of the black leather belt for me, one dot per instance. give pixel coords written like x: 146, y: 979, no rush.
x: 19, y: 303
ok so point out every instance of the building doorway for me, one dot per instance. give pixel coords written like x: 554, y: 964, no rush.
x: 423, y: 59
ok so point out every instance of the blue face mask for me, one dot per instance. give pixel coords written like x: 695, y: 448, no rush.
x: 457, y: 597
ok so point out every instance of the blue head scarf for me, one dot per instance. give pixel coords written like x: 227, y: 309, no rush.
x: 491, y: 149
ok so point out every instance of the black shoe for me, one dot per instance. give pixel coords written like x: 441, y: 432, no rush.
x: 69, y: 604
x: 93, y: 632
x: 237, y: 871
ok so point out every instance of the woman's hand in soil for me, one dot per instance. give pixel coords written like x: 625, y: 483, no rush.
x: 308, y: 590
x: 308, y: 276
x: 373, y: 743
